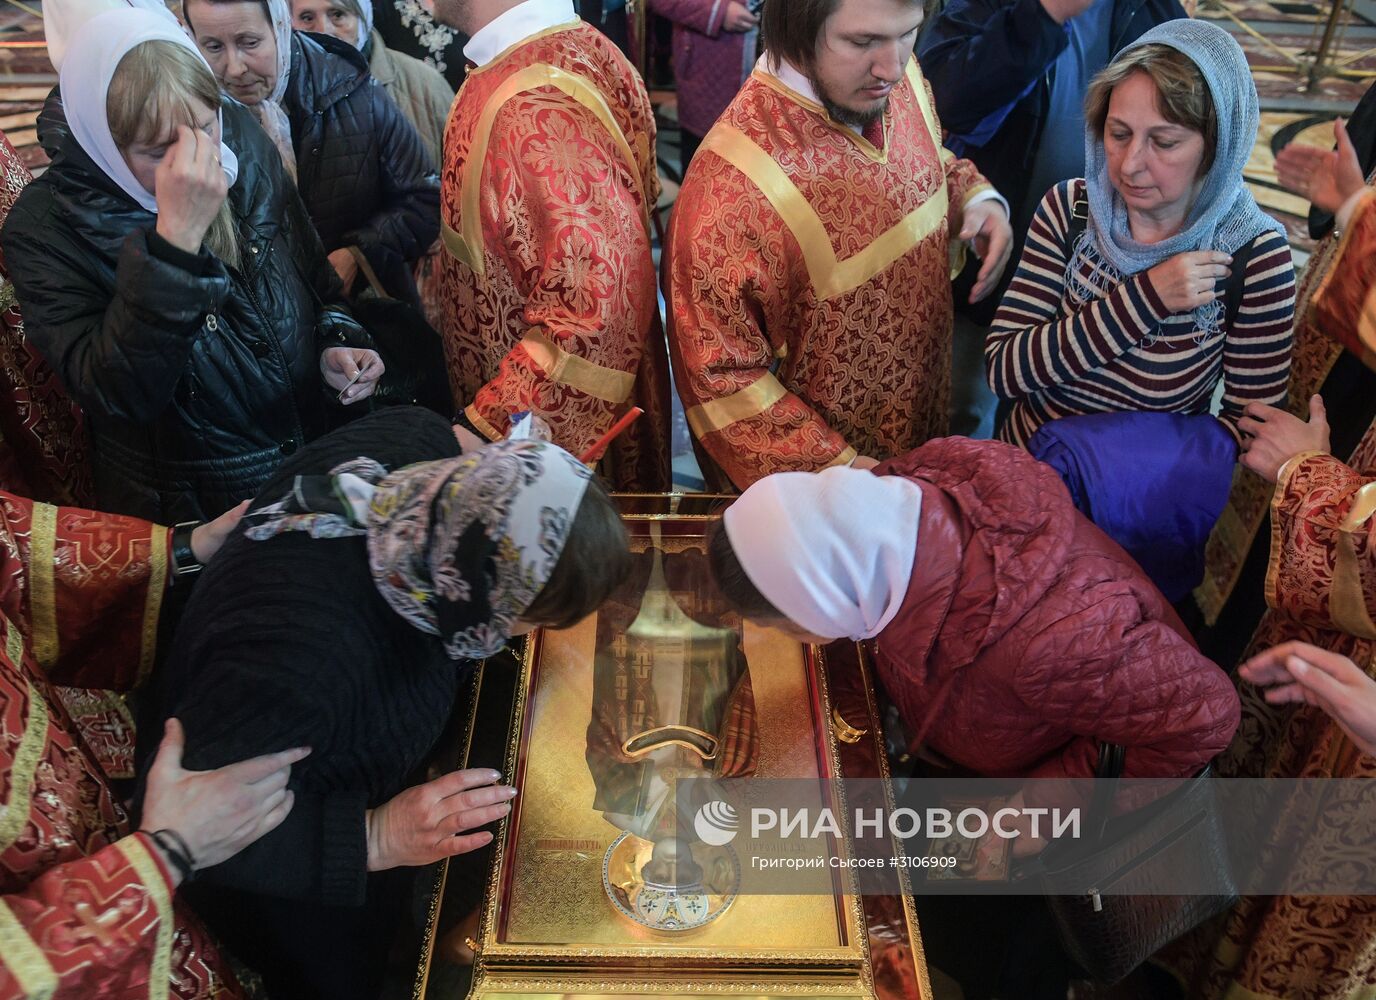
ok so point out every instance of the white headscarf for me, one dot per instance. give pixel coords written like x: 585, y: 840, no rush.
x: 269, y: 111
x: 832, y: 550
x: 93, y: 54
x: 62, y: 18
x: 363, y: 10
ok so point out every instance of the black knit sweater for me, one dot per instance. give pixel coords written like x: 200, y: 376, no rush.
x: 287, y: 643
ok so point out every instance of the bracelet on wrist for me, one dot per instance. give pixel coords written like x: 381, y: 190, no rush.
x: 184, y: 561
x: 174, y: 848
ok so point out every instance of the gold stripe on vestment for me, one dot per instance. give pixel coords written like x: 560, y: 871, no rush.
x: 26, y: 758
x: 466, y: 245
x: 598, y: 381
x: 847, y: 456
x: 1347, y: 603
x: 152, y: 607
x: 754, y: 399
x: 24, y: 959
x: 480, y: 423
x: 152, y: 879
x: 42, y: 584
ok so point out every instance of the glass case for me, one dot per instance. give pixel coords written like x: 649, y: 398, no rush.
x: 596, y: 886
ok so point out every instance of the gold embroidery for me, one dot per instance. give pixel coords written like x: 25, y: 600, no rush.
x: 24, y: 959
x: 830, y: 277
x: 42, y: 587
x: 476, y: 419
x: 1347, y: 602
x: 26, y: 758
x: 928, y: 115
x: 564, y: 368
x: 751, y: 401
x: 152, y: 608
x: 845, y: 458
x: 1278, y: 528
x: 470, y: 238
x: 1366, y: 329
x: 151, y: 877
x: 556, y: 29
x: 14, y: 643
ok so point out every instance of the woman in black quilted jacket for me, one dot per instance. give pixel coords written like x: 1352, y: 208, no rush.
x: 168, y: 272
x: 363, y: 172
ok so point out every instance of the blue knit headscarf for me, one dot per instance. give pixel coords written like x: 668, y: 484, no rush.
x: 1224, y: 217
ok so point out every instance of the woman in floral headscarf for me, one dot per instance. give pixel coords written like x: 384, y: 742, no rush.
x: 373, y: 569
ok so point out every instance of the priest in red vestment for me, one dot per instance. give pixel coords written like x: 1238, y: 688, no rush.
x: 549, y: 181
x: 809, y: 262
x: 87, y: 905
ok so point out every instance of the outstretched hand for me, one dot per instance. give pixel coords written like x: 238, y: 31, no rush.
x: 1299, y: 672
x: 1326, y: 177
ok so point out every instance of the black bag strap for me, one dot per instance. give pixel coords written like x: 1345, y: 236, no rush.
x: 1110, y: 769
x: 1232, y: 291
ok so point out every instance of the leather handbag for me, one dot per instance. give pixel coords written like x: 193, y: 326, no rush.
x: 1103, y: 925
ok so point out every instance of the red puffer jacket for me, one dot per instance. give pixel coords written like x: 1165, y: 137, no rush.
x: 1027, y: 636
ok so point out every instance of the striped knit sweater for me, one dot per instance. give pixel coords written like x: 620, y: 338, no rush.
x: 1056, y: 355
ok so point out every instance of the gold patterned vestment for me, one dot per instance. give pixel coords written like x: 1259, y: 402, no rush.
x: 86, y: 907
x: 808, y: 275
x: 1321, y: 589
x: 547, y: 283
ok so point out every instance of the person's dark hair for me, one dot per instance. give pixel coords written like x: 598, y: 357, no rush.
x: 792, y: 28
x: 595, y: 561
x: 735, y: 585
x: 186, y: 14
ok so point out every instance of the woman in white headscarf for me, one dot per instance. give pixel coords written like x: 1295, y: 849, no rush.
x: 168, y: 273
x: 419, y: 89
x: 369, y: 184
x: 1015, y: 639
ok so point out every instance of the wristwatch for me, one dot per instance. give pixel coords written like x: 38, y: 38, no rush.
x: 184, y: 561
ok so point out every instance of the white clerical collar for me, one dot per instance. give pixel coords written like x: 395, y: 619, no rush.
x: 515, y: 26
x: 795, y: 80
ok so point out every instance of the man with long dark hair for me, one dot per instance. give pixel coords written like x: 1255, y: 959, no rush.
x: 809, y: 263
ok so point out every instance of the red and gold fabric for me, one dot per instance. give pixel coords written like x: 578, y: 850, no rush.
x: 1321, y: 586
x: 548, y: 284
x: 86, y: 908
x: 808, y: 275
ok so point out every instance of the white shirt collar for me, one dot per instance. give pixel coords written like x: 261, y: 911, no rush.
x: 516, y: 25
x: 795, y: 80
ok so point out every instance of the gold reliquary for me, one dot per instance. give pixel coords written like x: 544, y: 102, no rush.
x: 595, y: 887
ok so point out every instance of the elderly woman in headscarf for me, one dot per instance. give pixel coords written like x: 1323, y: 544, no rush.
x: 1014, y: 638
x: 168, y: 272
x: 376, y: 567
x: 419, y: 89
x: 368, y: 183
x: 1121, y: 300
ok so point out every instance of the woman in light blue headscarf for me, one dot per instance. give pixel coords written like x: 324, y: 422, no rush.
x: 1143, y: 287
x: 1154, y: 278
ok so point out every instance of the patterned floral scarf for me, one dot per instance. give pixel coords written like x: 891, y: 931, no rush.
x: 459, y: 547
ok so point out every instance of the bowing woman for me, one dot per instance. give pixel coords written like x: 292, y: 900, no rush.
x: 168, y: 273
x: 379, y: 563
x: 367, y: 181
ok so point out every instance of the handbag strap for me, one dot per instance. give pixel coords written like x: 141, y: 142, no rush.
x: 1107, y: 773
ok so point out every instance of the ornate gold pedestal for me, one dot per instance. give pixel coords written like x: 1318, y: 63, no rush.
x: 597, y: 888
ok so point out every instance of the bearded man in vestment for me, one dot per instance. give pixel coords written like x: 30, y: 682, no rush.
x: 809, y: 263
x: 549, y: 182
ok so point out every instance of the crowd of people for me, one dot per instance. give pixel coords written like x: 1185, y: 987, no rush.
x: 257, y: 215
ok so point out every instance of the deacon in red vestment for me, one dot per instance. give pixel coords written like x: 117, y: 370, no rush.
x: 549, y: 181
x: 809, y: 262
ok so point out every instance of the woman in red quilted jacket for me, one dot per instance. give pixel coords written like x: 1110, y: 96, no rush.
x: 1013, y: 635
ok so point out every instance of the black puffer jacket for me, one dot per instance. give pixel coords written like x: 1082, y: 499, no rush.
x: 196, y: 378
x: 364, y: 174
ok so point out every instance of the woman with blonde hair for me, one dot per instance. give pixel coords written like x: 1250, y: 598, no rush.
x: 417, y: 88
x: 168, y: 272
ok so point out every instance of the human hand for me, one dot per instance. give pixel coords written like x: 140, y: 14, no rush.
x: 345, y: 265
x: 217, y: 813
x: 339, y: 365
x: 428, y: 822
x: 738, y: 18
x: 468, y: 441
x: 863, y: 462
x: 986, y: 224
x: 1299, y: 672
x: 1188, y: 280
x: 207, y: 538
x: 1273, y: 436
x: 191, y: 187
x: 1025, y: 845
x: 1327, y: 177
x: 1062, y: 11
